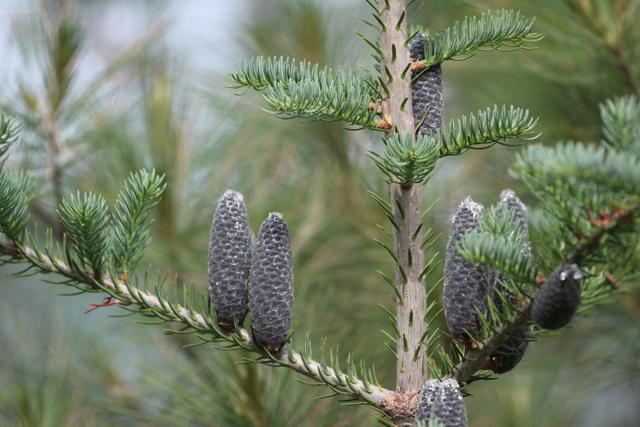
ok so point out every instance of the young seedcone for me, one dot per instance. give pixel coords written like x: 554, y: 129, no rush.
x: 509, y: 200
x: 441, y: 402
x: 558, y: 299
x: 271, y: 284
x: 509, y: 354
x: 426, y: 91
x: 230, y: 260
x: 465, y: 286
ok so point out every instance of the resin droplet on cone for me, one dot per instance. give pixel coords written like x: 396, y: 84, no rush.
x: 271, y: 284
x: 426, y: 91
x: 558, y: 299
x: 230, y: 260
x: 441, y: 401
x: 465, y: 286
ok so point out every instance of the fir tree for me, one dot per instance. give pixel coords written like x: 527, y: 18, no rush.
x: 584, y: 229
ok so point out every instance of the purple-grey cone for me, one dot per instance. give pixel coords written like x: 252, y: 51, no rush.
x: 230, y: 260
x: 426, y: 91
x: 271, y: 284
x: 465, y: 285
x: 441, y: 401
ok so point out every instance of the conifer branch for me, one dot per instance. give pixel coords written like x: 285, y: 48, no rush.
x: 134, y: 299
x: 495, y: 125
x: 621, y: 122
x: 500, y: 253
x: 502, y: 29
x: 9, y: 131
x: 476, y: 359
x: 324, y: 101
x: 85, y: 219
x: 407, y: 162
x: 580, y: 166
x: 293, y: 89
x: 132, y: 219
x: 14, y: 203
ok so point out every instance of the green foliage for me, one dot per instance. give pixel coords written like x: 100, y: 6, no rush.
x: 502, y: 221
x: 500, y: 30
x: 500, y: 253
x: 301, y: 90
x: 15, y: 194
x: 500, y: 244
x: 495, y: 125
x: 621, y: 120
x: 65, y: 46
x: 8, y: 133
x: 85, y: 218
x: 586, y: 191
x: 588, y: 216
x: 132, y: 217
x: 581, y: 169
x: 546, y: 223
x: 406, y: 163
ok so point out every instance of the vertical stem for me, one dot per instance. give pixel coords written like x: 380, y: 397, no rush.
x: 54, y: 148
x: 411, y: 370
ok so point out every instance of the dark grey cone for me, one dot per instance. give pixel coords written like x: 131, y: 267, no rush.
x: 441, y: 401
x: 426, y: 91
x: 271, y: 284
x: 230, y: 259
x: 558, y: 299
x: 509, y: 200
x: 465, y: 286
x: 509, y: 354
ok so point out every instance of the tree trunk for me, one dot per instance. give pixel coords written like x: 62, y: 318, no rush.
x: 411, y: 368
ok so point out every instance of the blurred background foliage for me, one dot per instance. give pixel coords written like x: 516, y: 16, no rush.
x: 104, y: 88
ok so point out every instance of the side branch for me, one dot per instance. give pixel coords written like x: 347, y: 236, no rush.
x: 338, y: 381
x: 477, y: 358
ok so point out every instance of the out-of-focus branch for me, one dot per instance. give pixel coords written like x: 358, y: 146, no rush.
x: 625, y: 68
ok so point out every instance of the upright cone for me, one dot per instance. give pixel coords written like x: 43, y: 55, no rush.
x: 509, y: 200
x: 558, y: 299
x: 230, y: 260
x: 271, y: 284
x: 508, y: 355
x: 441, y: 402
x: 511, y: 352
x: 465, y: 286
x: 426, y: 91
